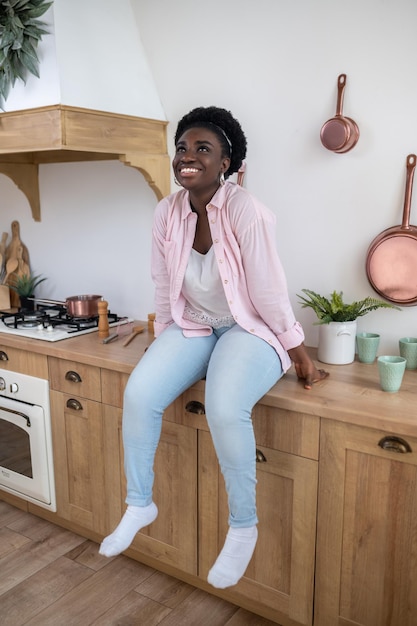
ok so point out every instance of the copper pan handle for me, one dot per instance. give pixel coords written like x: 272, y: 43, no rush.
x: 411, y: 166
x: 341, y: 83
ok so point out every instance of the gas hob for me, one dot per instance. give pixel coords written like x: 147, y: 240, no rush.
x: 52, y: 324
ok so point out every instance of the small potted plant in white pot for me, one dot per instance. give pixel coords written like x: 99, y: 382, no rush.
x: 338, y: 323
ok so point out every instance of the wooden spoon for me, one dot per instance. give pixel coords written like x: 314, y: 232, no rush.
x: 11, y: 266
x: 136, y: 331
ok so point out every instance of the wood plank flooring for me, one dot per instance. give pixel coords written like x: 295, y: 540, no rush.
x: 52, y: 577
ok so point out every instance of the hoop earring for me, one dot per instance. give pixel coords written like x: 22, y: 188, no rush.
x: 176, y: 182
x: 222, y: 180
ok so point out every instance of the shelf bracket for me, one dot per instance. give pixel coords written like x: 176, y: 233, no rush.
x: 25, y: 176
x: 154, y: 167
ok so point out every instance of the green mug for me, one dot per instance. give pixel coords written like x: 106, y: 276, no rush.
x: 391, y: 371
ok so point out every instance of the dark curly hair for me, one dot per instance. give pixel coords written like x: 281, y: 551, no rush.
x: 224, y: 125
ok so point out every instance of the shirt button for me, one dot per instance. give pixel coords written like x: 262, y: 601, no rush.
x: 252, y: 330
x: 216, y: 241
x: 226, y: 281
x: 220, y: 260
x: 213, y: 221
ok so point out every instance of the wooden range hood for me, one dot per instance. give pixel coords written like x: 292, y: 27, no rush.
x: 62, y: 134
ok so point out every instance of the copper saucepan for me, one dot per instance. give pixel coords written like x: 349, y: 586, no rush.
x: 340, y: 133
x: 391, y: 263
x: 77, y: 306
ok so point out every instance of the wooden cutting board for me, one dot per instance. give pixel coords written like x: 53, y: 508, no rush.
x: 15, y: 244
x: 17, y: 250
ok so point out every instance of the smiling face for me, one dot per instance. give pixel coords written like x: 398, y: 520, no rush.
x: 199, y: 161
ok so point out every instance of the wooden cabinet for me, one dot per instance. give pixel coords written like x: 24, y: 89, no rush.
x: 279, y: 580
x: 342, y: 443
x: 172, y: 538
x: 77, y: 433
x: 23, y: 361
x: 367, y: 528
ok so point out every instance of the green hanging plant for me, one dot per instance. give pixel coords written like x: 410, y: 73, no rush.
x: 20, y: 33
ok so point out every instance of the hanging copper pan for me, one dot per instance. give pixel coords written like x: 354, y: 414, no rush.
x: 391, y: 263
x: 340, y: 134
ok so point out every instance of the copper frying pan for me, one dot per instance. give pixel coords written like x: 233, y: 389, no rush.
x: 391, y: 263
x: 340, y: 133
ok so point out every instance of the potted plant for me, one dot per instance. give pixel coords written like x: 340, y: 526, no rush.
x: 20, y: 33
x: 338, y: 323
x: 25, y: 285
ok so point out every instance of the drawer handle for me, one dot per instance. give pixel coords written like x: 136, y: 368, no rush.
x: 395, y: 444
x: 195, y: 407
x: 73, y: 377
x: 3, y: 356
x: 260, y: 457
x: 74, y: 404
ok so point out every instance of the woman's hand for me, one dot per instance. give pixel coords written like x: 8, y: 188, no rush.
x: 305, y: 368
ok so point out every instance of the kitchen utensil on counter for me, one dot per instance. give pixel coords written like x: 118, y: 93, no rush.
x: 23, y: 268
x: 3, y: 242
x: 15, y: 243
x: 11, y: 266
x: 4, y: 298
x: 77, y: 306
x: 110, y: 338
x: 136, y: 331
x: 391, y: 262
x: 103, y: 319
x: 340, y: 133
x: 3, y: 254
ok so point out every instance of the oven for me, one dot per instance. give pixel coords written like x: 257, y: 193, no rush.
x: 26, y: 460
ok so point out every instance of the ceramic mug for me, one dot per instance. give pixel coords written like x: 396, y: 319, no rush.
x: 391, y: 371
x: 367, y: 344
x: 408, y: 350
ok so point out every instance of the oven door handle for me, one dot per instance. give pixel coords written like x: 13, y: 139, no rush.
x: 25, y: 417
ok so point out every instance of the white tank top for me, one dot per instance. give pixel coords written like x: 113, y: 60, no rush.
x: 206, y: 301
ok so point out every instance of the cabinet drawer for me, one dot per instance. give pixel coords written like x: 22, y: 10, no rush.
x: 279, y: 429
x: 75, y: 378
x: 113, y: 386
x: 287, y: 431
x: 24, y: 362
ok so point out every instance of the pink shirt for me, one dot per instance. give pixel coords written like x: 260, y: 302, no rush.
x: 243, y: 234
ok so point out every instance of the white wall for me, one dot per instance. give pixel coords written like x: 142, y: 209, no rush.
x: 91, y: 53
x: 274, y: 64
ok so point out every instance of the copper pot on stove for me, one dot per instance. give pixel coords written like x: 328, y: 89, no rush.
x: 77, y: 306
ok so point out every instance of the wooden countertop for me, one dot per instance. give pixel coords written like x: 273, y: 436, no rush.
x: 351, y: 393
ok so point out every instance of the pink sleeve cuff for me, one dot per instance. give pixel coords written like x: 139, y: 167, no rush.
x: 292, y: 337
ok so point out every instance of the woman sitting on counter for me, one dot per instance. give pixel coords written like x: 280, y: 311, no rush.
x: 223, y: 314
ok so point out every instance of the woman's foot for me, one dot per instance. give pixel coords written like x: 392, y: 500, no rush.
x: 233, y: 560
x: 135, y: 518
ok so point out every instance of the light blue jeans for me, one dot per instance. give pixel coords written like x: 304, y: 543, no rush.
x: 239, y: 369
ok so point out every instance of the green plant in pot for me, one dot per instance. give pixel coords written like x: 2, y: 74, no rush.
x: 25, y: 285
x: 338, y: 323
x: 20, y: 33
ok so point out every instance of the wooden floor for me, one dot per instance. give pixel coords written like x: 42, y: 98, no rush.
x: 52, y: 577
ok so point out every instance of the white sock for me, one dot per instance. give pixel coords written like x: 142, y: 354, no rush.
x: 135, y: 518
x: 233, y: 560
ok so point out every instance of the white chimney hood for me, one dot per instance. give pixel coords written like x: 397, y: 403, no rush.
x: 95, y: 99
